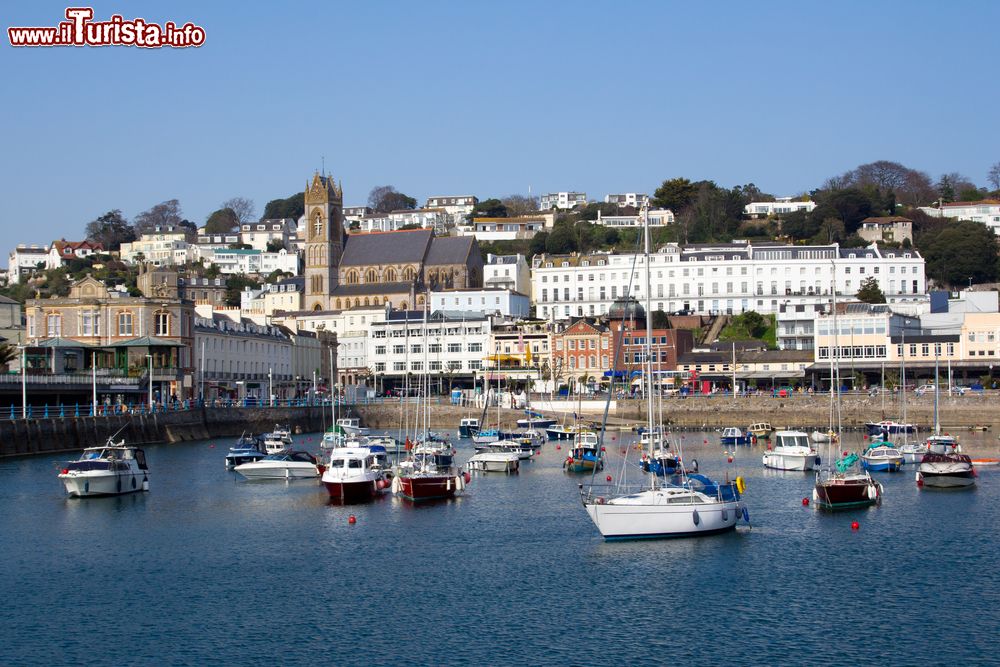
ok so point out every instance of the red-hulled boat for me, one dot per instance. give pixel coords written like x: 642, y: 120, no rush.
x: 846, y: 490
x: 429, y: 473
x: 356, y: 474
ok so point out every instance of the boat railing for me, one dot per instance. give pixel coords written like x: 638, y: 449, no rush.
x: 600, y: 493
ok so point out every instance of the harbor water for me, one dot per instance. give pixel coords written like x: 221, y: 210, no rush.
x: 209, y: 569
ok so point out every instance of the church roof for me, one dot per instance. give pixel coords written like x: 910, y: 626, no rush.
x: 449, y: 250
x: 375, y: 248
x: 373, y: 288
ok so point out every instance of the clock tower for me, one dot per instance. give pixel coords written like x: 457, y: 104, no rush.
x: 324, y: 239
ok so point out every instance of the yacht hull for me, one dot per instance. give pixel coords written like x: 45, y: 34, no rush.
x: 253, y: 471
x: 789, y: 461
x: 358, y: 491
x: 428, y: 487
x: 848, y: 493
x: 639, y: 522
x: 99, y: 483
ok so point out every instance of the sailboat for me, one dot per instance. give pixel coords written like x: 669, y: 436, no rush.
x: 429, y: 471
x: 841, y: 485
x: 942, y: 465
x: 692, y: 507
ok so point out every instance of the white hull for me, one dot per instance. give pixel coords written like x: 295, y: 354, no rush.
x: 651, y: 520
x: 103, y: 483
x: 779, y: 461
x: 494, y: 462
x: 355, y: 430
x: 293, y: 471
x: 945, y: 482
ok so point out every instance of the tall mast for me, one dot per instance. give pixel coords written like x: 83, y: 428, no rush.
x: 649, y: 332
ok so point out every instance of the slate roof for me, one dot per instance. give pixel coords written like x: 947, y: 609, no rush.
x: 449, y: 250
x: 398, y: 247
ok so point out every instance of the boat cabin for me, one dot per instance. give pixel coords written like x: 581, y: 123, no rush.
x: 791, y: 439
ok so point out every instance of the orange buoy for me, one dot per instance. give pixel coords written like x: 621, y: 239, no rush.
x: 805, y: 502
x: 855, y: 525
x: 352, y: 520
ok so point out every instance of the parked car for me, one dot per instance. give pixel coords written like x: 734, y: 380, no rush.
x: 924, y: 388
x: 957, y: 390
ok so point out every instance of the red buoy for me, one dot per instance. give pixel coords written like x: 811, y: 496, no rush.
x: 855, y: 525
x: 603, y: 449
x: 608, y: 478
x: 352, y: 520
x: 705, y: 441
x: 730, y: 459
x: 558, y: 447
x: 805, y: 502
x: 845, y: 452
x: 864, y: 437
x: 211, y: 446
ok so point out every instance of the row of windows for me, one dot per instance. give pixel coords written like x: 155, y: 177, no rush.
x: 855, y: 352
x: 433, y: 348
x: 400, y: 366
x: 591, y: 344
x: 89, y: 324
x: 729, y: 271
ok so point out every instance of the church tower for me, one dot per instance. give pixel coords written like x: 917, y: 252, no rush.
x: 324, y: 213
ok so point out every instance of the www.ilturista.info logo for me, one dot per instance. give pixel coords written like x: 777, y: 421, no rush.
x: 80, y: 30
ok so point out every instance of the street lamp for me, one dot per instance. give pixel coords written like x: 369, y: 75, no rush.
x: 270, y: 388
x: 24, y: 381
x: 150, y: 358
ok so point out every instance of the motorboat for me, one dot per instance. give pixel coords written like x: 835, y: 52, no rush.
x: 844, y: 487
x: 791, y: 451
x: 949, y: 471
x: 111, y: 470
x: 352, y: 426
x: 495, y: 461
x: 277, y: 440
x: 563, y: 431
x: 732, y: 435
x: 586, y: 454
x: 942, y: 444
x: 882, y: 456
x: 761, y: 430
x: 356, y: 474
x: 649, y: 440
x: 429, y: 473
x: 286, y: 464
x: 889, y: 427
x: 536, y: 420
x: 821, y: 437
x: 468, y: 427
x: 248, y: 448
x: 486, y: 436
x: 913, y: 452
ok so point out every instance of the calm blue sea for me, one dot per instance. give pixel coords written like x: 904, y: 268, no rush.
x: 206, y: 569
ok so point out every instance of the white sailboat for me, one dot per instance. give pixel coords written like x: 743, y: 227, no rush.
x: 663, y: 510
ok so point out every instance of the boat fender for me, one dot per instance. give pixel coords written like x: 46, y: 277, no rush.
x: 694, y: 464
x: 725, y: 514
x: 815, y: 495
x: 741, y: 486
x: 134, y: 484
x: 447, y: 485
x: 695, y: 517
x: 872, y: 492
x: 86, y: 487
x: 467, y: 476
x: 397, y: 485
x: 459, y: 484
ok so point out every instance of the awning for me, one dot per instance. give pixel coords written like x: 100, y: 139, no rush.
x: 147, y: 341
x: 62, y: 343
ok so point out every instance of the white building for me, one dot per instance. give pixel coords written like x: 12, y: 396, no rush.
x: 562, y: 200
x: 724, y: 278
x: 507, y: 272
x: 986, y: 212
x: 355, y: 213
x: 780, y: 206
x: 25, y: 260
x: 282, y: 296
x: 62, y: 252
x: 160, y: 247
x: 351, y: 328
x: 207, y: 244
x: 501, y: 302
x: 633, y: 199
x: 238, y: 358
x: 428, y: 218
x: 657, y: 218
x: 258, y: 235
x: 506, y: 229
x: 249, y: 262
x: 454, y: 205
x: 451, y: 347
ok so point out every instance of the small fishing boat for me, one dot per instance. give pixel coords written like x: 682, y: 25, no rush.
x: 942, y: 444
x: 732, y: 435
x: 110, y: 470
x: 949, y: 471
x: 664, y: 463
x: 882, y: 456
x: 843, y: 488
x: 536, y: 420
x: 248, y: 448
x: 352, y: 426
x: 287, y: 464
x: 429, y: 473
x: 819, y: 437
x: 761, y: 429
x: 495, y: 461
x: 913, y: 452
x: 563, y: 431
x: 791, y: 451
x: 585, y: 454
x: 355, y: 474
x: 277, y: 440
x: 468, y: 427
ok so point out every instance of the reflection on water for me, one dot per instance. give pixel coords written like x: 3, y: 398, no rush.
x: 205, y: 566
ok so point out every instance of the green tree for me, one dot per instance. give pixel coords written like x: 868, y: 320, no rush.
x: 675, y: 194
x: 750, y: 324
x: 960, y: 251
x: 660, y: 320
x: 221, y: 221
x: 111, y: 230
x: 561, y: 240
x: 275, y: 245
x: 290, y: 207
x: 234, y: 287
x: 489, y: 208
x: 870, y: 292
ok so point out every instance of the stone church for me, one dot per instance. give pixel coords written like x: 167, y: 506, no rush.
x: 347, y: 271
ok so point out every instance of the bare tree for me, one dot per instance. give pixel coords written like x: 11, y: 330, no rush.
x: 385, y: 198
x: 164, y: 214
x: 520, y: 205
x: 993, y: 176
x: 242, y: 208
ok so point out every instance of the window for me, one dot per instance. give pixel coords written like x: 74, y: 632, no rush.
x: 473, y: 347
x: 434, y: 348
x: 398, y: 366
x: 90, y: 324
x: 475, y: 365
x: 399, y: 349
x: 53, y: 325
x: 417, y: 366
x: 454, y: 347
x: 454, y: 365
x: 434, y: 365
x: 380, y: 350
x: 162, y: 323
x: 125, y: 324
x: 416, y: 349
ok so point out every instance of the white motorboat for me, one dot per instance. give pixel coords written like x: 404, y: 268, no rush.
x: 791, y: 451
x: 356, y: 473
x: 495, y: 461
x: 882, y: 456
x: 819, y: 437
x: 110, y: 470
x: 277, y: 440
x: 942, y: 444
x: 913, y: 452
x: 287, y: 464
x: 468, y: 427
x: 668, y: 511
x: 946, y: 471
x: 352, y: 426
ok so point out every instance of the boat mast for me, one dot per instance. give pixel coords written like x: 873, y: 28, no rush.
x: 902, y: 393
x: 937, y: 420
x: 649, y: 334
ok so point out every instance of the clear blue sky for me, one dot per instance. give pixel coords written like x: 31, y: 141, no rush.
x: 488, y: 99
